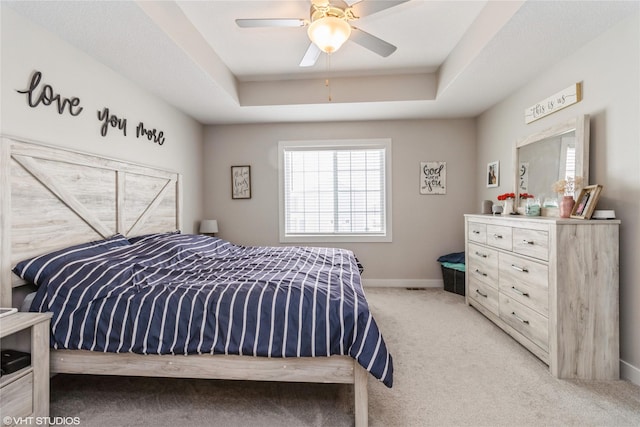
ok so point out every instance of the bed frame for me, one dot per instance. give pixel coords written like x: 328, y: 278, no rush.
x: 53, y: 197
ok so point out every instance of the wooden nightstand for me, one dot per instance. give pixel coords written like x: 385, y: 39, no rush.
x: 25, y: 393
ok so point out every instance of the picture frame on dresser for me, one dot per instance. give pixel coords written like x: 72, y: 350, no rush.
x: 586, y: 202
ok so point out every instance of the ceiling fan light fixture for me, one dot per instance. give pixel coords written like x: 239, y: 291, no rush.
x: 329, y: 33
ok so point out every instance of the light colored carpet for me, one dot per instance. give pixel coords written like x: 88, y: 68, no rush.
x: 452, y: 368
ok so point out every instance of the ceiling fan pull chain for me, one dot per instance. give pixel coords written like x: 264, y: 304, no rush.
x: 326, y: 81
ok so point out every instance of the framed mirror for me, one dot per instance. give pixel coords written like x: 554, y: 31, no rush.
x: 557, y: 153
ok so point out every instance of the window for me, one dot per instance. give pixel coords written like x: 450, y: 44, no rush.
x: 568, y: 156
x: 335, y: 191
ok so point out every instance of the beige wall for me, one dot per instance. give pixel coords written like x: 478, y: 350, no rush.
x: 26, y: 47
x: 608, y: 68
x: 424, y: 227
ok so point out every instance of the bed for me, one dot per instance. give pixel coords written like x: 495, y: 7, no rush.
x: 134, y: 210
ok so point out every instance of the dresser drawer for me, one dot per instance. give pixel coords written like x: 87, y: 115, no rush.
x: 481, y: 268
x: 477, y: 232
x: 525, y: 281
x: 485, y: 295
x: 529, y: 323
x: 533, y: 243
x: 499, y: 236
x: 484, y: 258
x: 17, y: 397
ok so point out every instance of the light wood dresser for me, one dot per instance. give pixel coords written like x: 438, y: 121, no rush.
x: 552, y: 284
x: 24, y: 394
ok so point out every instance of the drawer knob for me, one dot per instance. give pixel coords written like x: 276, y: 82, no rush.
x: 497, y: 236
x: 481, y: 294
x: 475, y: 231
x: 520, y: 269
x: 481, y: 273
x: 481, y: 255
x: 526, y: 322
x: 518, y: 291
x: 527, y: 242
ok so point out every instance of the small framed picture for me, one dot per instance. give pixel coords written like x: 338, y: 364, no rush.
x: 240, y: 182
x: 493, y: 174
x: 586, y: 202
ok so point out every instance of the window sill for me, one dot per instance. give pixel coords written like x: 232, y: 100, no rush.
x: 325, y: 238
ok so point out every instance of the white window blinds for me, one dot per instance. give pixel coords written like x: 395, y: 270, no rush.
x: 334, y: 190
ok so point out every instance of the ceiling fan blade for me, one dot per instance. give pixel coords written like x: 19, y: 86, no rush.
x: 365, y: 8
x: 371, y: 42
x: 311, y: 56
x: 257, y: 23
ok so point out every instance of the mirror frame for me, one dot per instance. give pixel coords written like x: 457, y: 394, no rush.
x: 578, y: 124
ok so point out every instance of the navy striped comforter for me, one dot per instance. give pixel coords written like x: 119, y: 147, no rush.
x: 189, y: 294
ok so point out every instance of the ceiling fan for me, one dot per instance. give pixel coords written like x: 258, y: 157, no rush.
x: 329, y: 26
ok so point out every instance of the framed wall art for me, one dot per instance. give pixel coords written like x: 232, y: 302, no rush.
x: 493, y: 174
x: 240, y: 182
x: 433, y: 177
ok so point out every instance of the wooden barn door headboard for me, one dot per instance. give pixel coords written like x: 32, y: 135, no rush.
x: 53, y: 197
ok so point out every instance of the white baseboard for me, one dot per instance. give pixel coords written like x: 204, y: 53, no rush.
x: 629, y: 372
x: 403, y: 283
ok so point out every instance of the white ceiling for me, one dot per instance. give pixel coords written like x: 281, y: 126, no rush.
x: 454, y: 58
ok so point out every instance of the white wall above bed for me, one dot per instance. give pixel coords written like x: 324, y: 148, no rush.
x: 26, y: 48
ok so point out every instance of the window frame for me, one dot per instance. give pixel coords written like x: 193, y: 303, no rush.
x: 342, y: 144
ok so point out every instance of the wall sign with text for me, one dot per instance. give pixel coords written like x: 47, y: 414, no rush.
x: 433, y: 177
x: 44, y: 95
x: 558, y: 101
x: 241, y: 182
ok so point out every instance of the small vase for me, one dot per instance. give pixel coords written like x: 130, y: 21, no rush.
x: 566, y: 206
x: 508, y: 207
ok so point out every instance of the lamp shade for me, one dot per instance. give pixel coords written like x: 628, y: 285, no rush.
x: 209, y: 226
x: 329, y: 33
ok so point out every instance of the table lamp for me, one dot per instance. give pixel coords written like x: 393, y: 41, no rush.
x: 209, y: 226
